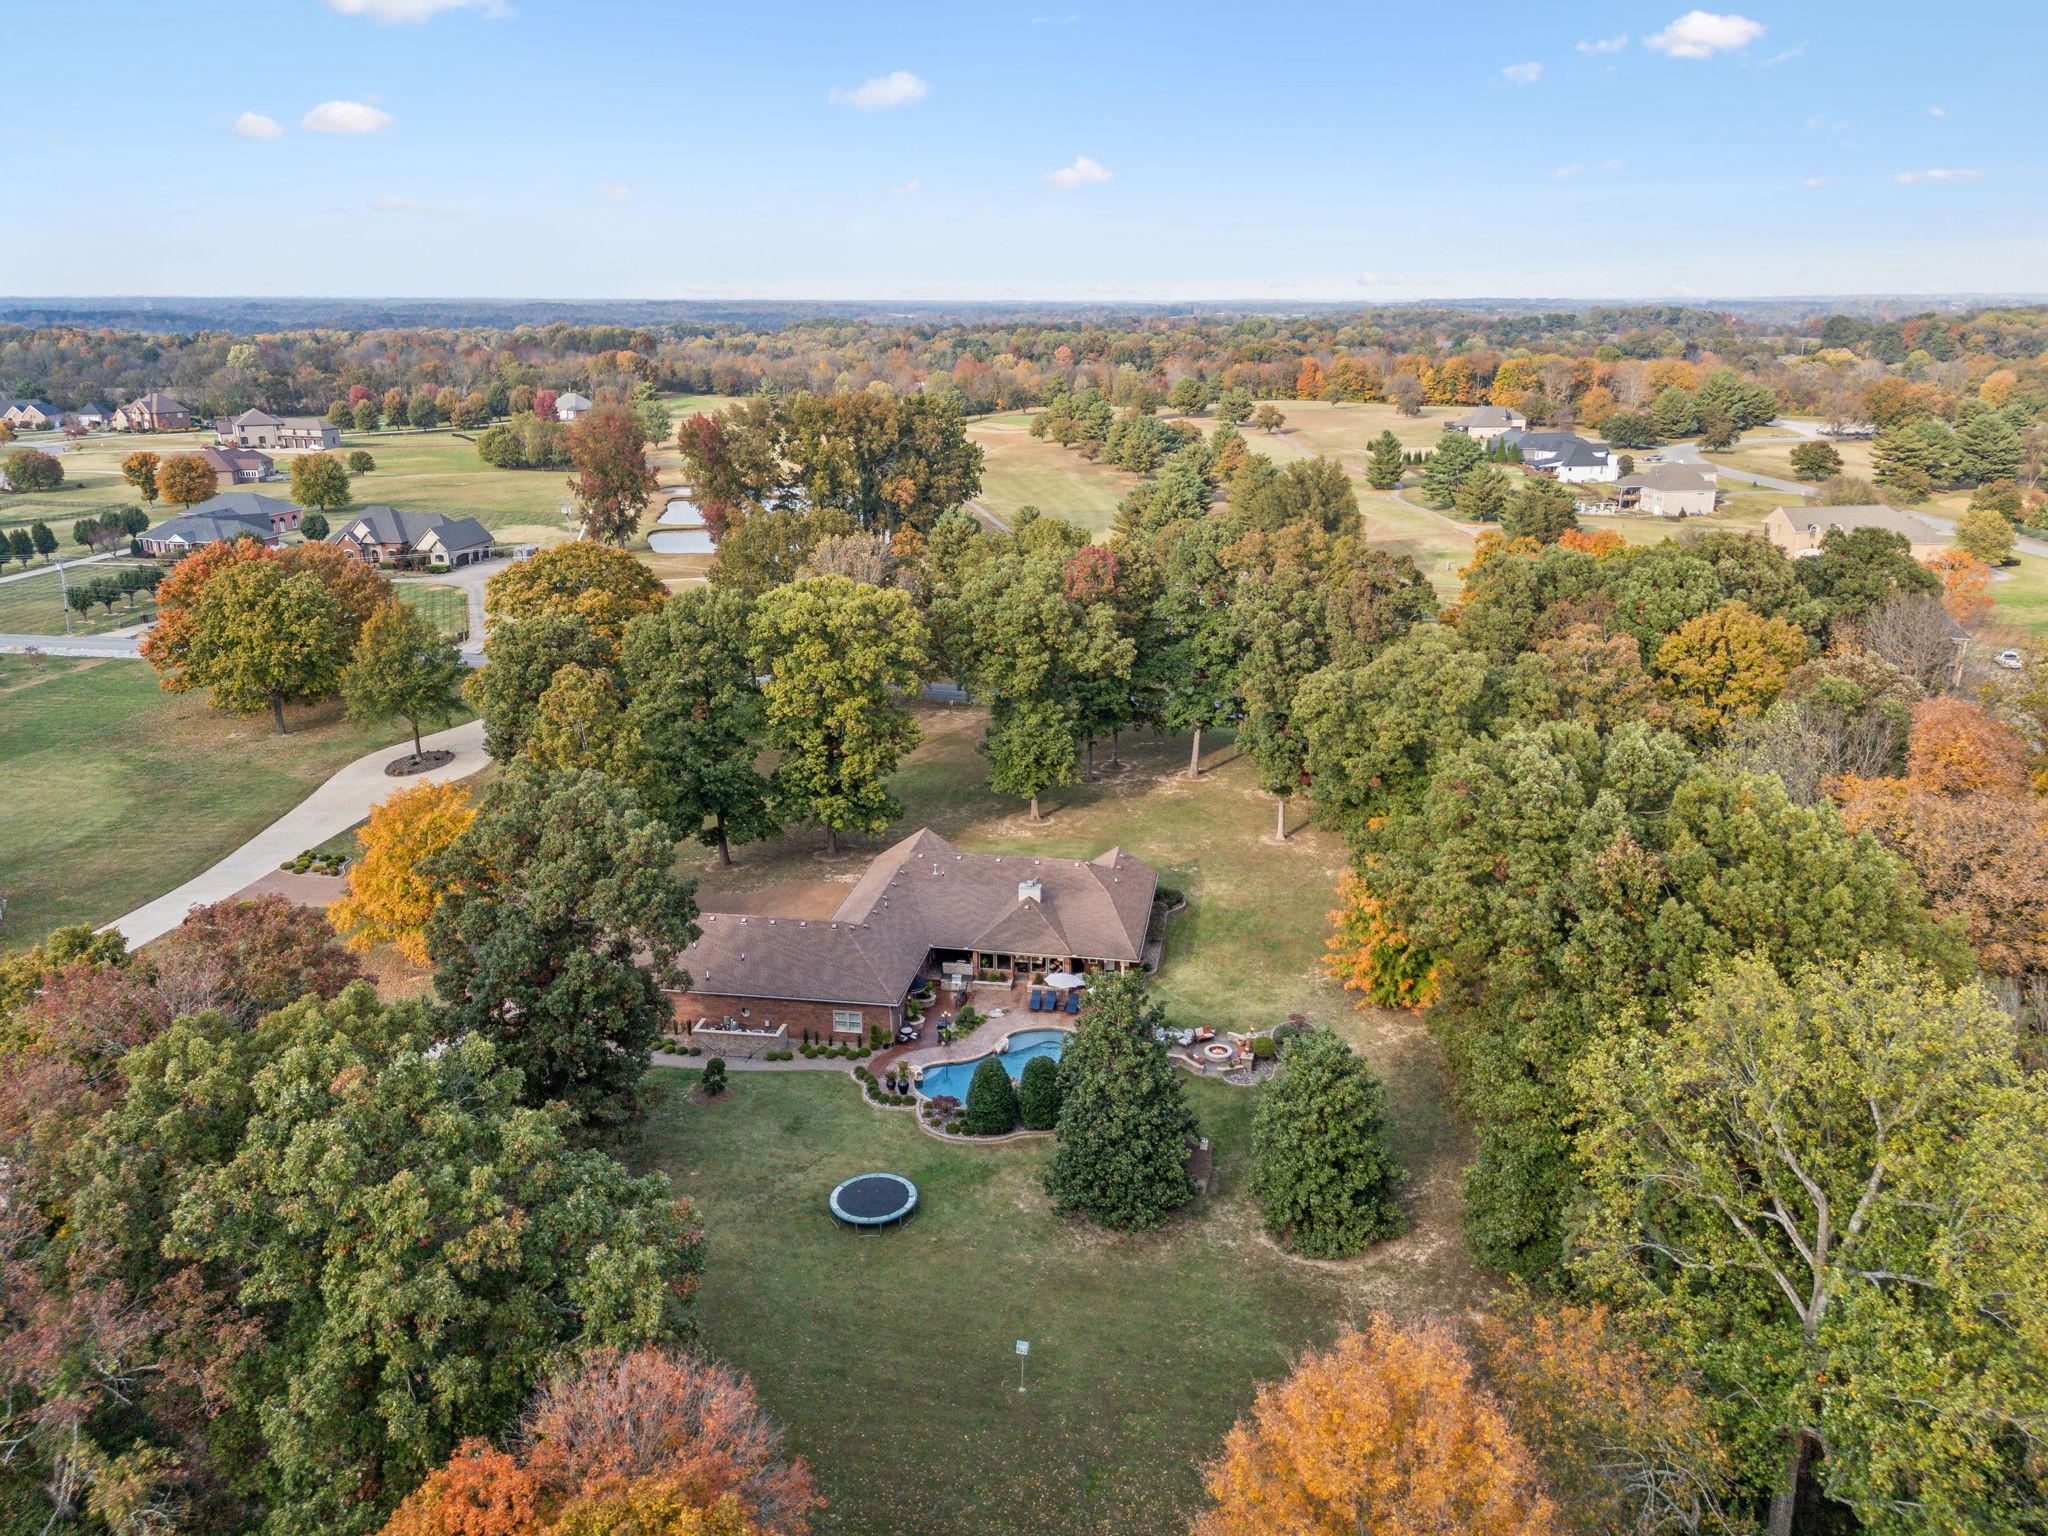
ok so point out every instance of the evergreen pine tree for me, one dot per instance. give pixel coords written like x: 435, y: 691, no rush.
x: 1124, y: 1123
x: 991, y: 1100
x: 1321, y: 1171
x: 1383, y: 470
x: 1449, y: 463
x: 1038, y: 1094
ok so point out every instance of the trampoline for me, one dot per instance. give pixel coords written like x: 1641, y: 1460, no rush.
x: 874, y: 1200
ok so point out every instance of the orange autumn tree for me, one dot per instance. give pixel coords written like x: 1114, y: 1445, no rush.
x: 1369, y: 953
x: 1384, y: 1434
x: 1964, y: 585
x: 389, y: 899
x: 1308, y: 384
x: 1965, y: 817
x: 1592, y: 541
x: 1627, y: 1443
x: 480, y: 1492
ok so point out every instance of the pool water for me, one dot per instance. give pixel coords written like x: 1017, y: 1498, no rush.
x: 951, y: 1080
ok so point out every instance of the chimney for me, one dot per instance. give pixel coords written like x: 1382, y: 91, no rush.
x: 1030, y: 890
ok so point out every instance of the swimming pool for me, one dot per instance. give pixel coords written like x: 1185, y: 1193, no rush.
x: 951, y: 1080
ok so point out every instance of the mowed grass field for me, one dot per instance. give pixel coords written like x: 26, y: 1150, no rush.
x: 1020, y: 470
x: 34, y: 605
x: 891, y: 1358
x: 119, y: 791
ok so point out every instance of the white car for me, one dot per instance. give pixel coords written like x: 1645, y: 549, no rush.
x: 2012, y: 661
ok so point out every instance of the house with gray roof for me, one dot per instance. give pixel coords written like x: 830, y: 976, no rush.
x: 1562, y: 456
x: 260, y: 429
x: 384, y: 535
x: 29, y: 415
x: 1487, y: 422
x: 922, y: 908
x: 572, y: 407
x: 1800, y: 531
x: 230, y: 515
x: 1667, y: 490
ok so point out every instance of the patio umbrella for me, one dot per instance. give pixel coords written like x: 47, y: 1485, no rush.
x: 1064, y: 980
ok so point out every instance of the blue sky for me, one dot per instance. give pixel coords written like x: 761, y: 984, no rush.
x: 1351, y: 152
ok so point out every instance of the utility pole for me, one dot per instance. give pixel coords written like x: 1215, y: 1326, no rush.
x: 64, y: 585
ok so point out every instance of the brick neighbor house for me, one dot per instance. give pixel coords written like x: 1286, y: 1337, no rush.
x: 238, y: 466
x: 922, y: 909
x: 153, y: 412
x: 230, y: 515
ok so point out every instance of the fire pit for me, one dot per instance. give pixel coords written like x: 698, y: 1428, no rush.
x: 1217, y: 1052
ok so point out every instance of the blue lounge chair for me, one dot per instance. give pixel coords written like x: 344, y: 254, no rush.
x: 1037, y: 1001
x: 1073, y: 1002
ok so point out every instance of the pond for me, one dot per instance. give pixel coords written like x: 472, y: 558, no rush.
x: 951, y: 1080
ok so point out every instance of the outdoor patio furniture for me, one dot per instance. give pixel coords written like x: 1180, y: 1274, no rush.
x: 1073, y: 1002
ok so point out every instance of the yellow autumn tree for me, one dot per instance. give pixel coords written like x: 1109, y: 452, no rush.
x: 1384, y: 1434
x: 389, y: 900
x: 1368, y: 952
x: 1728, y: 664
x: 1308, y: 384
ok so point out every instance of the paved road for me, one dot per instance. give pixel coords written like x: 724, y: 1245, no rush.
x: 334, y: 807
x: 123, y: 647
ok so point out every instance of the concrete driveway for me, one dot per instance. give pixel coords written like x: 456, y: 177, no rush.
x: 1689, y: 453
x: 334, y: 807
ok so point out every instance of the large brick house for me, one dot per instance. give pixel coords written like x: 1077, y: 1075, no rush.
x: 923, y: 908
x: 377, y: 535
x: 260, y: 429
x: 153, y: 412
x: 230, y: 515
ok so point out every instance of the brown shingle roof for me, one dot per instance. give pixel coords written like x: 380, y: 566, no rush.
x: 924, y: 894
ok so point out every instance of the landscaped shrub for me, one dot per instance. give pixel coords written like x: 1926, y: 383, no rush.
x: 1263, y: 1048
x: 1038, y: 1094
x: 714, y: 1077
x: 1167, y: 896
x: 991, y: 1100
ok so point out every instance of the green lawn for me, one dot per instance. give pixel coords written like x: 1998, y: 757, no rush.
x: 1020, y: 470
x: 447, y: 606
x: 35, y: 605
x: 119, y: 792
x: 890, y: 1358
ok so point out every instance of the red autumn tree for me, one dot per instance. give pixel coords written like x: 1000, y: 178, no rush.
x: 544, y: 404
x: 1384, y: 1434
x: 250, y: 958
x: 613, y: 483
x: 167, y: 642
x: 1954, y: 747
x: 662, y: 1415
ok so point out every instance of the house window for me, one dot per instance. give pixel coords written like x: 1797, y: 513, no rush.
x: 845, y: 1019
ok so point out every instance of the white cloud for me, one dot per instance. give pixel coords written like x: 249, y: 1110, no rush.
x: 897, y: 89
x: 392, y: 12
x: 1786, y: 57
x: 1524, y: 74
x: 1568, y: 170
x: 908, y: 188
x: 1814, y: 181
x: 1079, y: 174
x: 614, y: 191
x: 254, y: 125
x: 1600, y: 45
x: 1937, y: 111
x: 1819, y: 124
x: 1702, y: 34
x: 1612, y: 164
x: 1938, y: 174
x: 345, y: 117
x: 405, y: 205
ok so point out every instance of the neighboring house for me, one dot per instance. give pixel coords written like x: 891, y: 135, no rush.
x: 1667, y: 490
x: 379, y: 534
x: 260, y: 429
x: 87, y: 418
x: 1488, y: 422
x: 30, y: 415
x: 1798, y: 531
x: 231, y: 515
x: 154, y: 412
x: 238, y: 466
x: 571, y: 407
x: 922, y: 908
x: 1563, y: 456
